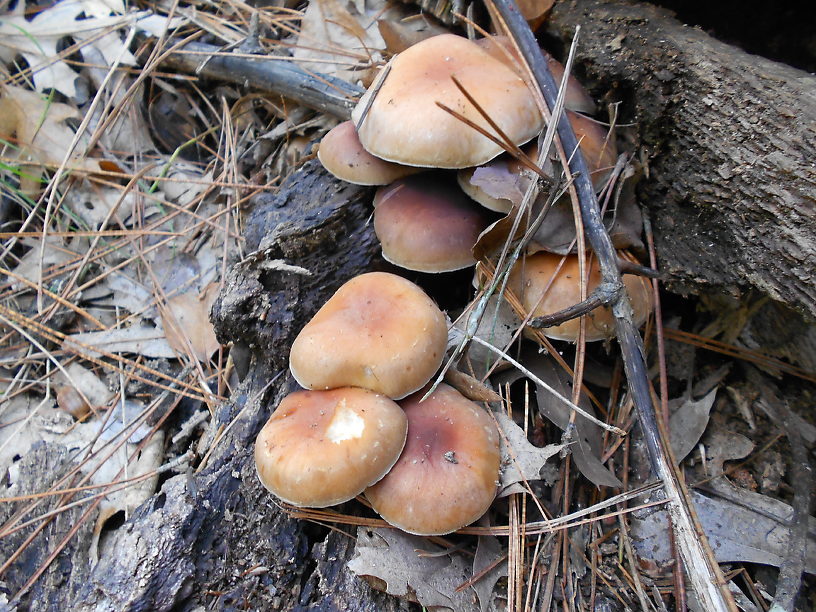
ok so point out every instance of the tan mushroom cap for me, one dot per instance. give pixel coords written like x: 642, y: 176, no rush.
x: 321, y: 448
x: 342, y: 154
x: 404, y: 124
x: 577, y: 97
x: 378, y: 331
x: 426, y: 223
x: 539, y: 275
x: 447, y: 475
x: 597, y: 146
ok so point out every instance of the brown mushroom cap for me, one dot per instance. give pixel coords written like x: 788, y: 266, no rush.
x: 538, y: 275
x: 577, y: 98
x: 403, y: 123
x: 321, y: 448
x: 342, y: 154
x: 426, y: 223
x: 597, y: 146
x: 447, y: 474
x: 378, y: 331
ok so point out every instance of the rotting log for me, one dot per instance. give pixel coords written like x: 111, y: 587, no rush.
x: 729, y: 142
x: 216, y: 539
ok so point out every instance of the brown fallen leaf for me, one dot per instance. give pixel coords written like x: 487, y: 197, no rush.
x: 585, y: 443
x: 488, y: 552
x: 187, y: 317
x: 399, y: 35
x: 38, y: 131
x: 689, y: 419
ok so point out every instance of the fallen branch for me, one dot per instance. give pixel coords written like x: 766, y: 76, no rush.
x: 275, y: 74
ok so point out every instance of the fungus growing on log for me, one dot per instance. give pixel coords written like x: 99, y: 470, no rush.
x: 378, y: 331
x: 398, y: 118
x: 321, y: 448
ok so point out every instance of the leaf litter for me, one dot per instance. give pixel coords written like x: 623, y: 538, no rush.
x: 137, y: 244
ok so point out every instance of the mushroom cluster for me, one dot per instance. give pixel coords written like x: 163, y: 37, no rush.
x: 426, y: 220
x: 400, y: 137
x: 377, y: 340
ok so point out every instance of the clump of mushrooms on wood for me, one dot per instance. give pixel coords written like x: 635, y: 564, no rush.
x: 368, y: 357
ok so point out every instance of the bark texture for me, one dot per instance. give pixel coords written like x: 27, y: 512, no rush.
x: 729, y: 142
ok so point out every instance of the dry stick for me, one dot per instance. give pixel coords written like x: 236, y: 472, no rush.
x: 704, y: 572
x: 324, y: 93
x: 677, y: 569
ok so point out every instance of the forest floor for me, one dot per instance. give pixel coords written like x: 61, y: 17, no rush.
x: 127, y: 187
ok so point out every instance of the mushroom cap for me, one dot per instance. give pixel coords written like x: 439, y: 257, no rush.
x: 447, y: 475
x: 342, y: 154
x: 577, y: 97
x: 597, y: 146
x: 501, y: 182
x: 538, y: 275
x: 321, y: 448
x: 426, y: 223
x: 403, y: 123
x: 378, y: 331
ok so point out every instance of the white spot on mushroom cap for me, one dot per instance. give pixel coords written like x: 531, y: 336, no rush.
x: 345, y: 425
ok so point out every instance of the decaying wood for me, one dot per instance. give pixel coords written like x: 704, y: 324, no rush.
x: 729, y: 141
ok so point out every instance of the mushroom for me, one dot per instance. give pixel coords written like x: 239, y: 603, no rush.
x: 398, y: 118
x: 321, y: 448
x: 544, y: 288
x: 501, y: 183
x: 378, y: 331
x: 342, y: 154
x: 447, y: 475
x: 426, y: 223
x: 576, y: 98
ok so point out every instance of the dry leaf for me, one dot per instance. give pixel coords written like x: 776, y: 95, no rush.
x: 585, y: 445
x: 129, y: 498
x: 37, y: 40
x: 55, y: 254
x: 488, y: 552
x: 497, y: 327
x: 38, y: 131
x: 521, y: 460
x: 187, y: 319
x: 399, y: 35
x: 751, y: 529
x: 333, y: 37
x: 688, y: 421
x: 390, y: 555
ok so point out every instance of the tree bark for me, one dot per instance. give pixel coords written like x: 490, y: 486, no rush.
x: 728, y: 140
